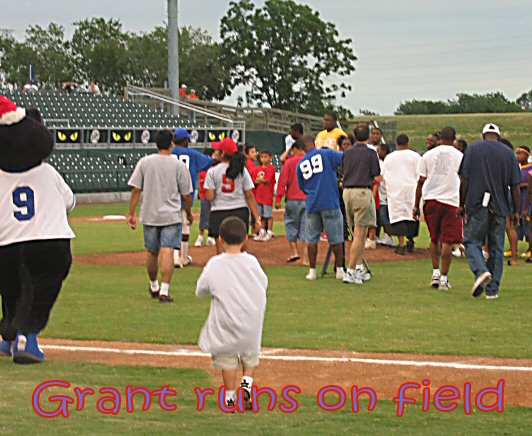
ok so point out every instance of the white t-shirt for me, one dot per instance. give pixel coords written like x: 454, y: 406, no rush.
x: 288, y: 142
x: 229, y: 194
x: 237, y: 285
x: 400, y: 172
x: 34, y: 206
x: 383, y: 196
x: 162, y: 180
x: 440, y: 166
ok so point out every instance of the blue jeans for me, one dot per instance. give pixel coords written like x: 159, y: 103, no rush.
x: 484, y: 224
x: 330, y: 220
x: 295, y: 220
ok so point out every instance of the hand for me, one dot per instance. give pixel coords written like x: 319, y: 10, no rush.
x: 258, y: 225
x: 415, y: 213
x: 278, y: 205
x: 190, y: 218
x: 132, y: 222
x: 460, y: 212
x: 516, y: 219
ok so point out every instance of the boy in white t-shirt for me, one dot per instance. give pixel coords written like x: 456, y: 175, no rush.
x: 233, y: 331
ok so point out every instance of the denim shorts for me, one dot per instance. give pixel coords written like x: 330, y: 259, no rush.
x: 330, y: 220
x: 295, y: 220
x: 157, y: 237
x: 265, y: 211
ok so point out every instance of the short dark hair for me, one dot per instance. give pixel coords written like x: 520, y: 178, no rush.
x: 385, y: 147
x: 179, y: 141
x: 332, y: 115
x: 349, y: 136
x: 233, y: 230
x: 208, y: 152
x: 164, y: 139
x: 268, y: 152
x: 377, y: 128
x: 524, y: 147
x: 448, y: 134
x: 436, y: 134
x: 463, y: 143
x: 297, y: 127
x: 507, y: 142
x: 402, y: 140
x: 362, y: 132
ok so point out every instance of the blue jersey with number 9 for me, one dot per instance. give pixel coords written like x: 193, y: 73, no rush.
x: 318, y: 179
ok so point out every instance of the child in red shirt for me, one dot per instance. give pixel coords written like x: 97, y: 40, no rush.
x: 264, y: 179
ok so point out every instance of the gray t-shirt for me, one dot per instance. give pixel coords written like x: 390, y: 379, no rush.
x: 230, y: 194
x: 162, y: 181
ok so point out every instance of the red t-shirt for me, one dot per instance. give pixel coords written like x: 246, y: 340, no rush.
x: 202, y: 192
x: 288, y: 180
x: 264, y: 191
x: 250, y: 165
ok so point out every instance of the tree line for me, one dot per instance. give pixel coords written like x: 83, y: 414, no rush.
x: 282, y: 52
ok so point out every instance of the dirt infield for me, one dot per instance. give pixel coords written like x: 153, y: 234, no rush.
x: 313, y: 369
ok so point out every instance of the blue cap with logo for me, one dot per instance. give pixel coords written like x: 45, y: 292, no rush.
x: 181, y: 134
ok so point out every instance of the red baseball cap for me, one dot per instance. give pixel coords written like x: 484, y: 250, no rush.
x: 227, y: 146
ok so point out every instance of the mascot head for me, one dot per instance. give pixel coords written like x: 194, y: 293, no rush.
x: 24, y: 140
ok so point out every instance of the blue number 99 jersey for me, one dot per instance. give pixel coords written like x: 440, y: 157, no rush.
x: 318, y: 179
x: 195, y: 161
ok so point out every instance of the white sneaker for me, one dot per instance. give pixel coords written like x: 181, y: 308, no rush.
x: 199, y: 241
x: 492, y: 297
x: 260, y: 236
x: 265, y: 237
x: 340, y: 273
x: 312, y: 274
x: 186, y: 262
x: 270, y: 234
x: 363, y: 274
x: 457, y: 252
x: 211, y: 241
x: 352, y: 278
x: 480, y: 284
x: 370, y: 245
x: 178, y: 263
x: 444, y: 286
x: 387, y: 240
x: 435, y: 280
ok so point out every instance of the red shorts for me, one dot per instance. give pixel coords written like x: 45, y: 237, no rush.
x: 444, y: 226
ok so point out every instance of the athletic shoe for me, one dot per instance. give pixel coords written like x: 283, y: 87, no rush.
x: 246, y: 390
x: 481, y: 283
x: 492, y: 297
x: 527, y: 255
x: 178, y: 263
x: 370, y: 245
x: 352, y: 278
x: 186, y: 262
x: 386, y: 240
x: 444, y: 286
x: 457, y: 252
x: 5, y: 348
x: 165, y: 299
x: 410, y: 246
x: 364, y: 275
x: 508, y: 253
x: 260, y: 236
x: 435, y: 280
x: 400, y: 250
x: 199, y: 241
x: 312, y: 274
x: 265, y: 237
x: 154, y: 295
x: 31, y: 354
x: 340, y: 273
x: 270, y: 234
x: 211, y: 241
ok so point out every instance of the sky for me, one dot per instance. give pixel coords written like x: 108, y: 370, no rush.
x: 408, y: 49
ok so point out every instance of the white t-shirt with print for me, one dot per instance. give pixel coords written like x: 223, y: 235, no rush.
x: 229, y: 194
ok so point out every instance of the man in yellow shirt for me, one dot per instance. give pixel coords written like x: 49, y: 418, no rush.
x: 329, y: 137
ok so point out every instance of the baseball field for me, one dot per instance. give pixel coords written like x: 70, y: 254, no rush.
x: 105, y: 331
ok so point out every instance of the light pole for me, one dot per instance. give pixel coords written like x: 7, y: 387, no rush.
x: 173, y: 53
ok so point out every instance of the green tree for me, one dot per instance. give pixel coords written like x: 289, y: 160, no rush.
x: 284, y: 52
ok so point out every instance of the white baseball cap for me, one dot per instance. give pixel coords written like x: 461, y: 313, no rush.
x: 491, y: 128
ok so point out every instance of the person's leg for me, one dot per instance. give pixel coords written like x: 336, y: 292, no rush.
x: 512, y: 238
x: 497, y: 227
x: 435, y: 255
x: 333, y: 223
x: 312, y: 255
x: 152, y: 265
x: 185, y: 236
x: 475, y: 233
x: 446, y: 259
x: 357, y: 247
x: 314, y: 230
x: 229, y: 379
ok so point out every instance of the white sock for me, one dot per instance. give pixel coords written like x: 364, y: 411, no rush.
x: 248, y: 380
x: 444, y: 279
x: 436, y: 272
x: 154, y: 285
x: 230, y: 395
x: 165, y: 288
x: 184, y: 250
x: 177, y: 257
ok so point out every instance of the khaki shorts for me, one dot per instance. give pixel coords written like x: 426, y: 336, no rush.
x: 232, y: 361
x: 186, y: 228
x: 360, y: 207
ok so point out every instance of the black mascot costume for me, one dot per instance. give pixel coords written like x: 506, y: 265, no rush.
x: 35, y: 255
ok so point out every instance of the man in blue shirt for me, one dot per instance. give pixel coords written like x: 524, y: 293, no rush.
x: 196, y: 162
x: 318, y: 179
x: 487, y: 170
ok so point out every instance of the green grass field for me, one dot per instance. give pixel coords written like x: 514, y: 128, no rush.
x: 516, y: 127
x: 395, y: 312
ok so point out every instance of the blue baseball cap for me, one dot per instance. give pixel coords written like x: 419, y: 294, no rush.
x: 181, y: 134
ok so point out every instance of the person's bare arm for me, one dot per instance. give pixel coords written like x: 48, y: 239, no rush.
x: 187, y: 204
x: 464, y: 187
x: 516, y: 197
x: 135, y: 197
x: 416, y: 213
x: 210, y: 194
x: 252, y: 204
x: 529, y: 196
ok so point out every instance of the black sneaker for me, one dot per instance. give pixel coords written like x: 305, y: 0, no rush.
x: 400, y: 250
x: 480, y: 284
x: 410, y: 246
x: 246, y: 390
x: 154, y: 295
x: 165, y: 299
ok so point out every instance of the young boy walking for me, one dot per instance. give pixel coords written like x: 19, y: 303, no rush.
x: 264, y: 179
x: 233, y: 331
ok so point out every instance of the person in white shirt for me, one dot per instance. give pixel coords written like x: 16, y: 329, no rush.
x: 383, y: 216
x: 439, y: 185
x: 35, y: 255
x: 233, y: 331
x: 229, y: 188
x: 400, y: 172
